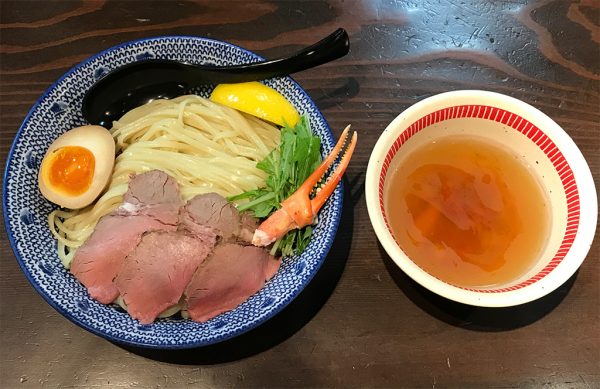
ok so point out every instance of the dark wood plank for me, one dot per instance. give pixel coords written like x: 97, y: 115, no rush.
x: 361, y: 322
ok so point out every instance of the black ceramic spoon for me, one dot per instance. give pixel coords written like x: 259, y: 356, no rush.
x: 137, y: 83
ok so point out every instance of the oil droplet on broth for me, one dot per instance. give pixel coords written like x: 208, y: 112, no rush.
x: 467, y: 212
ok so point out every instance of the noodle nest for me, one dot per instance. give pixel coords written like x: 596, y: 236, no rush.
x: 204, y: 146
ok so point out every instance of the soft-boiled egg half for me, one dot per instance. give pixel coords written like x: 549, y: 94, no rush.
x: 77, y: 166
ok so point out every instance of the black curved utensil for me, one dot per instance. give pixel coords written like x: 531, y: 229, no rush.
x: 137, y: 83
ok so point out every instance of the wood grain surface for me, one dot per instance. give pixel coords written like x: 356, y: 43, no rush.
x: 361, y: 322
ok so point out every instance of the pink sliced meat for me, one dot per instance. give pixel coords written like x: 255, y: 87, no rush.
x: 154, y: 276
x: 210, y: 215
x: 98, y: 260
x: 228, y: 277
x: 248, y: 224
x: 154, y: 249
x: 155, y: 194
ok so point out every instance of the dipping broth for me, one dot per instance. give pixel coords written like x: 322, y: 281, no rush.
x: 467, y: 211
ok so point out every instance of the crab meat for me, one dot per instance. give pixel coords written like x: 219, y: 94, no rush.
x: 299, y: 210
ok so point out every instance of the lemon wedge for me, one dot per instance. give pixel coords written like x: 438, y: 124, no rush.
x: 258, y: 100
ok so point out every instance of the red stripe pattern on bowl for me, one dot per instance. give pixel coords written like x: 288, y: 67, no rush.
x: 530, y: 131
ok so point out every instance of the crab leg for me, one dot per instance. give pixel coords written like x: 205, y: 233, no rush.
x: 299, y: 209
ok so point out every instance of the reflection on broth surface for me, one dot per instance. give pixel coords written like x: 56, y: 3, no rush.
x: 467, y: 212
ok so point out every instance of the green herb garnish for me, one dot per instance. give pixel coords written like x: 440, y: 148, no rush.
x: 288, y: 166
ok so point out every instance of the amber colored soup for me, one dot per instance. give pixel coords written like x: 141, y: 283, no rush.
x: 467, y: 211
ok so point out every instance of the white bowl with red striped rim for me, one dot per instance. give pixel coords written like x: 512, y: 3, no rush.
x: 539, y: 142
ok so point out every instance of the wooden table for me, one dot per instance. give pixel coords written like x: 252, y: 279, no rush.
x: 361, y: 322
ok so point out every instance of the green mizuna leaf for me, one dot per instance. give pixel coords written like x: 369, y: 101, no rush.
x: 288, y: 166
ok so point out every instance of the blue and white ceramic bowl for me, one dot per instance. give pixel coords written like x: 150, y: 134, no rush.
x: 25, y: 210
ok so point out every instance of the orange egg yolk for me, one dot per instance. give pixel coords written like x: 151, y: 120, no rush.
x: 71, y: 169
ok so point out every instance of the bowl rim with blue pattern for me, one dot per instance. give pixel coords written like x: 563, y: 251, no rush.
x: 25, y: 210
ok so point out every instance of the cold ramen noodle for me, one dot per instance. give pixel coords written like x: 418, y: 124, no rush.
x: 204, y: 146
x: 467, y: 212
